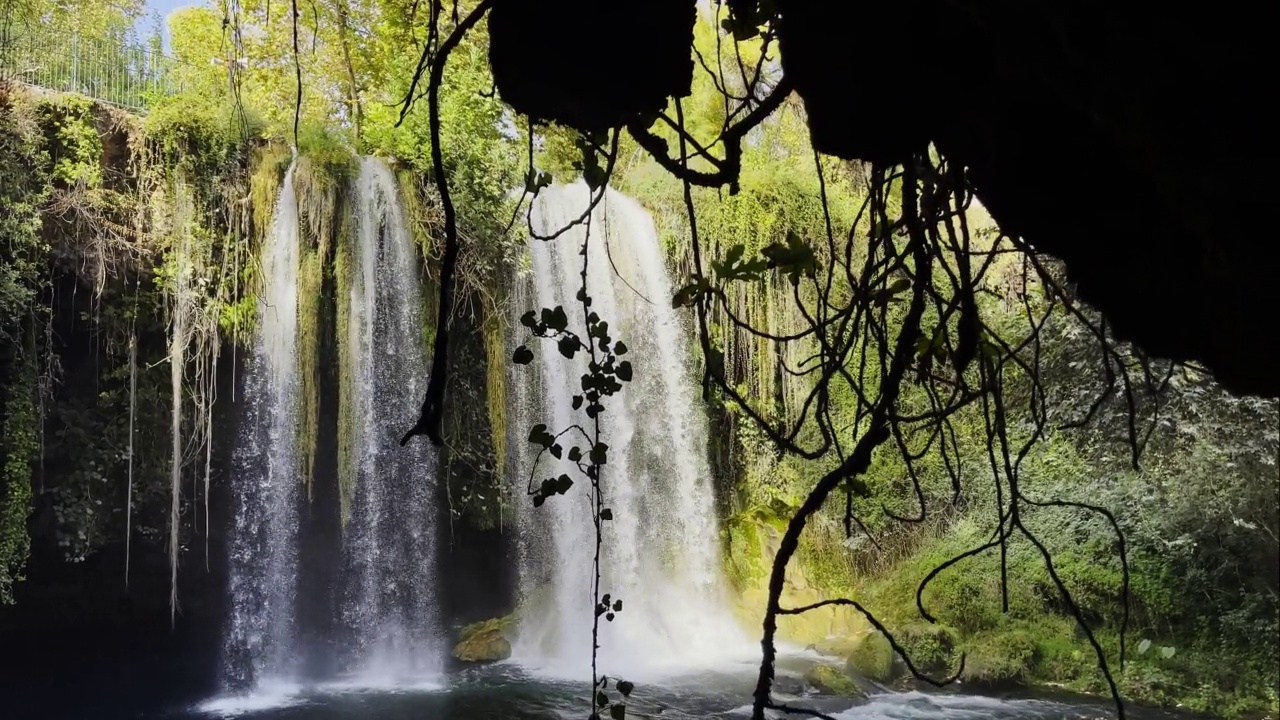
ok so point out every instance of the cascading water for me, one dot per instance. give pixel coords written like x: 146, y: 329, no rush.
x: 260, y: 642
x: 661, y: 550
x: 389, y: 556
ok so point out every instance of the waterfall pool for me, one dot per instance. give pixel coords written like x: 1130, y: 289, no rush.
x: 507, y: 691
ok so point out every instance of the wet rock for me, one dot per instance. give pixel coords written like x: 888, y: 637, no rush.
x: 828, y: 680
x: 838, y: 646
x: 485, y: 641
x: 874, y: 658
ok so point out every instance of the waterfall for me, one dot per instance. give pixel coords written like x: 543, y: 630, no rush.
x: 661, y: 551
x: 387, y: 606
x: 260, y: 641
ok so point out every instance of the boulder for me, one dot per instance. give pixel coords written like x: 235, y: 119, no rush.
x: 837, y: 646
x: 485, y: 641
x: 874, y: 658
x: 828, y: 680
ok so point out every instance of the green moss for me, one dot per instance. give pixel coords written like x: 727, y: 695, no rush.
x: 830, y: 681
x: 342, y: 271
x: 321, y: 183
x: 486, y: 641
x: 932, y: 648
x: 874, y: 658
x: 1000, y: 658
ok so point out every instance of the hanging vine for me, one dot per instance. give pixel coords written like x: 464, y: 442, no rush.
x: 909, y: 245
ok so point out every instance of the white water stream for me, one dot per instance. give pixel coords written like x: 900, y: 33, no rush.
x: 388, y: 605
x: 259, y: 650
x: 661, y: 553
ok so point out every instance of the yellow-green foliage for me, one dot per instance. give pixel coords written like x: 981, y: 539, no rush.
x: 21, y: 447
x: 269, y: 166
x: 76, y: 147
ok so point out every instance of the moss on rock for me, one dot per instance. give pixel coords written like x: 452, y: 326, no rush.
x: 1003, y: 658
x: 874, y: 658
x: 837, y: 646
x: 932, y: 648
x: 828, y: 680
x: 486, y: 641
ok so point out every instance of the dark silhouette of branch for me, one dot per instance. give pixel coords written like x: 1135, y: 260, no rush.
x: 860, y: 459
x: 728, y: 168
x: 433, y: 404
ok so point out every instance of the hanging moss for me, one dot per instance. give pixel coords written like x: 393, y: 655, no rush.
x: 342, y: 269
x: 425, y: 224
x: 496, y: 386
x: 321, y: 183
x: 269, y: 166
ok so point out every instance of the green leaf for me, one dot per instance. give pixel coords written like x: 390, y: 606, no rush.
x: 923, y: 343
x: 522, y: 356
x: 625, y: 687
x: 618, y: 712
x: 600, y: 454
x: 1166, y: 652
x: 623, y: 371
x: 1143, y: 647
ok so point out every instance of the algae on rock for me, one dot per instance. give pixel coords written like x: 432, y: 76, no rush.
x: 874, y: 658
x: 828, y: 680
x: 485, y: 641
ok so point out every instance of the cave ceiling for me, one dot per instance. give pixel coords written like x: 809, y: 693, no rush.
x: 1124, y: 140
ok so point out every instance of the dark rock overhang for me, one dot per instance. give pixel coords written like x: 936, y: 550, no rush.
x: 1126, y: 140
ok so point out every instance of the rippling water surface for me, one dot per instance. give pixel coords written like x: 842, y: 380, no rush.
x: 511, y: 692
